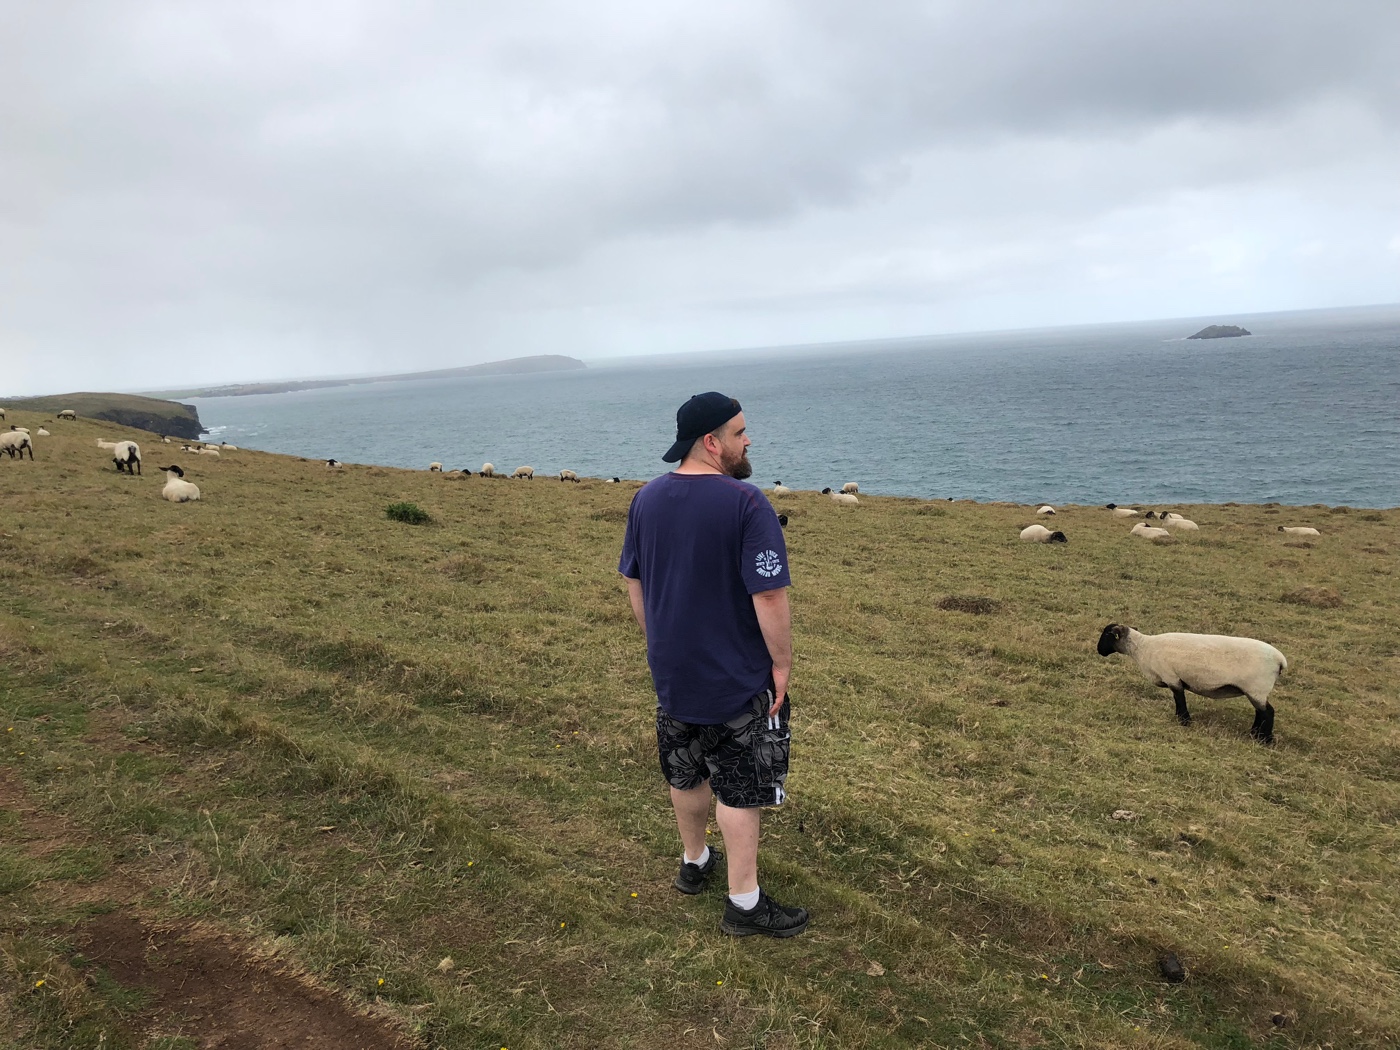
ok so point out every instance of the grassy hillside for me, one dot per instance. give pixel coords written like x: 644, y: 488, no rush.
x: 344, y: 748
x: 131, y: 410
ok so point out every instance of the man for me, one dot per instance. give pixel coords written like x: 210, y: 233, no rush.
x: 707, y: 575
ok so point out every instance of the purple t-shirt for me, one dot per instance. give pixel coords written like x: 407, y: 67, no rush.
x: 703, y: 545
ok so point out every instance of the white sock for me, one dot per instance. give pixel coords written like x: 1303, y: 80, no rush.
x: 745, y: 901
x: 700, y: 861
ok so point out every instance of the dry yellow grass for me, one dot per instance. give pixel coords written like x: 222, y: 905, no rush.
x: 205, y: 689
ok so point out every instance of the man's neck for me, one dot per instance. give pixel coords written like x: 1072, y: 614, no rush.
x: 695, y: 465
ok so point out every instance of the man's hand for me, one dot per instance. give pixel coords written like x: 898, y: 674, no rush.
x: 634, y: 595
x: 775, y: 621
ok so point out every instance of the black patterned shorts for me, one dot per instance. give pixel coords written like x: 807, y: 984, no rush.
x: 745, y: 759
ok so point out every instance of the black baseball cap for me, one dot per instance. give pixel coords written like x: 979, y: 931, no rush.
x: 699, y: 416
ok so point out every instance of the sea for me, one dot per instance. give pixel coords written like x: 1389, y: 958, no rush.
x: 1304, y: 410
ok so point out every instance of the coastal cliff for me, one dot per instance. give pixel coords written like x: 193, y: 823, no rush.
x: 129, y: 410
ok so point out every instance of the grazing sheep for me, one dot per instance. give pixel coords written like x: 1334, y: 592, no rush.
x: 1047, y: 510
x: 177, y: 489
x: 1040, y: 534
x: 15, y: 442
x: 1150, y: 531
x: 567, y: 475
x: 1177, y: 522
x: 524, y: 472
x: 840, y: 497
x: 67, y: 413
x: 488, y: 471
x: 1299, y: 530
x: 2, y: 413
x: 41, y: 433
x: 334, y: 464
x: 850, y: 488
x: 1124, y: 512
x: 435, y: 467
x: 779, y: 489
x: 1211, y: 665
x: 126, y: 456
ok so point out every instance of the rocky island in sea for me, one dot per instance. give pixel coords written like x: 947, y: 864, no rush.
x: 1220, y: 331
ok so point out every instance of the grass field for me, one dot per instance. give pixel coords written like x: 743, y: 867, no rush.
x: 279, y: 733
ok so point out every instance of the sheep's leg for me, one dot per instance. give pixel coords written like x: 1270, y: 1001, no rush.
x: 1182, y: 714
x: 1263, y: 728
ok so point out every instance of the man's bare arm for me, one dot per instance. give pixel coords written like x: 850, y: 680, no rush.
x: 775, y: 621
x: 634, y: 595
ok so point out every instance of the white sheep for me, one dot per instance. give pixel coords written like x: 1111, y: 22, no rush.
x: 41, y: 432
x: 1211, y: 665
x: 1171, y: 515
x: 841, y: 497
x: 1176, y: 523
x: 850, y: 488
x: 67, y: 413
x: 177, y: 489
x: 111, y: 444
x: 488, y: 471
x: 15, y: 442
x: 224, y: 446
x: 437, y: 467
x: 1150, y: 531
x: 126, y: 456
x: 1124, y: 512
x: 524, y: 472
x: 568, y: 475
x: 779, y: 489
x: 334, y: 464
x: 613, y: 481
x: 22, y: 430
x: 1047, y: 510
x: 2, y: 413
x: 208, y: 450
x: 1299, y: 530
x: 1040, y: 534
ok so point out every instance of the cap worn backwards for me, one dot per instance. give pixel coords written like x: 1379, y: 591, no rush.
x: 701, y: 415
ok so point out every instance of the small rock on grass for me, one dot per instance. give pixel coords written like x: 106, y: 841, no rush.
x: 1124, y: 814
x: 1171, y: 969
x: 446, y: 965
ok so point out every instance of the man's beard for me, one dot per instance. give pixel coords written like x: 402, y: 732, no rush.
x: 738, y: 468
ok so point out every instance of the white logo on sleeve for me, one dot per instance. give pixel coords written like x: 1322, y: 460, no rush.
x: 767, y: 563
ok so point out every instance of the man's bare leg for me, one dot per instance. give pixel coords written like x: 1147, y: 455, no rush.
x: 692, y: 808
x: 740, y: 830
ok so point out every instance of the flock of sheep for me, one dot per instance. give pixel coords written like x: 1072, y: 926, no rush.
x: 1214, y: 666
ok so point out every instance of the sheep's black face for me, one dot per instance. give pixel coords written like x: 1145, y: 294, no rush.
x: 783, y: 520
x: 1057, y: 537
x: 826, y: 492
x: 1112, y: 635
x: 1110, y: 506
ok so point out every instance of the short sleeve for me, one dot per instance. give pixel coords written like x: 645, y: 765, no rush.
x: 763, y: 559
x: 629, y: 564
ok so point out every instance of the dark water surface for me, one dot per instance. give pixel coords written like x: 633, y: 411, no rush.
x: 1306, y: 410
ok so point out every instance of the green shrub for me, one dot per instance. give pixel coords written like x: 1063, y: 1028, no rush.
x: 409, y: 512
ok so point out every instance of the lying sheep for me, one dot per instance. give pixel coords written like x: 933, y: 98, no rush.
x: 779, y: 489
x: 1211, y: 665
x: 1040, y: 534
x: 612, y: 481
x: 177, y: 489
x: 126, y: 456
x: 1150, y: 531
x: 524, y: 472
x: 437, y: 467
x: 208, y: 450
x: 1124, y: 512
x: 1047, y: 510
x: 840, y: 497
x: 488, y: 471
x: 224, y: 446
x: 850, y: 488
x: 568, y: 475
x: 15, y: 442
x: 1299, y: 530
x: 334, y: 464
x: 41, y: 432
x: 22, y: 430
x: 1176, y: 523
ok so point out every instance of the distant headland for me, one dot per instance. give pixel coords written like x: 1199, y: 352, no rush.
x: 1220, y: 331
x: 514, y: 366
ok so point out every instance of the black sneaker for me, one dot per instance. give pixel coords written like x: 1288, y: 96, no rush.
x: 692, y: 877
x: 767, y: 917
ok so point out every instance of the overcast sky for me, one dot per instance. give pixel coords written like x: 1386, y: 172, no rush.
x: 226, y: 191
